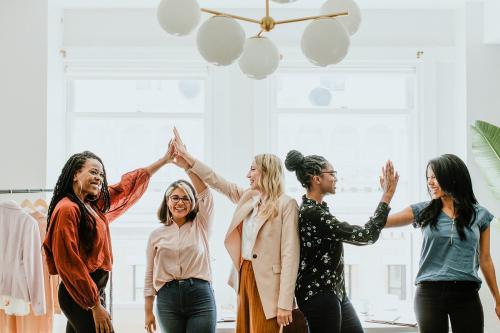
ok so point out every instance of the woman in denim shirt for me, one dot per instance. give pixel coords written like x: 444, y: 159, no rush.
x: 456, y: 242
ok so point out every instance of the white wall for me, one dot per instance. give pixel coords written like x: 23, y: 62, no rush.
x: 32, y: 84
x: 483, y: 103
x: 117, y: 38
x: 23, y: 93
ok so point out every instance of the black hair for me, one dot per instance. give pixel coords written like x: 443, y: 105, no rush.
x: 454, y: 179
x: 305, y: 167
x: 64, y: 188
x: 164, y: 214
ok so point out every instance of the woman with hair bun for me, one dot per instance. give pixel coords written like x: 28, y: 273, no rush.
x: 320, y: 288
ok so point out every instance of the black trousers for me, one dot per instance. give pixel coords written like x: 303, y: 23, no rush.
x: 325, y: 313
x: 81, y: 320
x: 459, y: 301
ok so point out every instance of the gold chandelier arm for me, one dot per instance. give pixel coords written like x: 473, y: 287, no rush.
x: 236, y: 17
x: 267, y: 7
x: 300, y: 19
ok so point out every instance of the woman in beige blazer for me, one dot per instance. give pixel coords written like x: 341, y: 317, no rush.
x: 262, y: 240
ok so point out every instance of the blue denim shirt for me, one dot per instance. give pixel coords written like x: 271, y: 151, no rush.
x: 444, y: 257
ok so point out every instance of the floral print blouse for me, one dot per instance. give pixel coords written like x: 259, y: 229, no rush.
x: 321, y: 250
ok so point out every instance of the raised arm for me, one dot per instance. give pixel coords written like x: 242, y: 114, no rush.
x: 132, y: 186
x: 207, y: 175
x: 197, y: 182
x: 400, y: 219
x: 167, y: 158
x: 328, y: 226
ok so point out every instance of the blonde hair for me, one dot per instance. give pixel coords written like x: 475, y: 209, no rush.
x: 271, y: 184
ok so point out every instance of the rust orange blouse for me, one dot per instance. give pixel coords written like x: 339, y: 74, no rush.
x: 64, y: 255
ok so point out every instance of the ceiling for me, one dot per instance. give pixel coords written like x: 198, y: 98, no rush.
x: 382, y: 4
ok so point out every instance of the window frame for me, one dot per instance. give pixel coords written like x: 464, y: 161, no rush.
x: 270, y: 111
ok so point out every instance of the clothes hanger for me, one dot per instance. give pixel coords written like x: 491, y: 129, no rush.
x: 26, y: 203
x: 41, y: 203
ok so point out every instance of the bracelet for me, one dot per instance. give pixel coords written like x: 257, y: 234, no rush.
x: 92, y: 307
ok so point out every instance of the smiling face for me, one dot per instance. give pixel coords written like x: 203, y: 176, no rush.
x: 432, y: 184
x: 89, y: 179
x: 179, y: 204
x: 327, y: 179
x: 253, y: 176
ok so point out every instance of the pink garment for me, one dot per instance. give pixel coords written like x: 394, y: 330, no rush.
x: 175, y: 253
x: 31, y: 322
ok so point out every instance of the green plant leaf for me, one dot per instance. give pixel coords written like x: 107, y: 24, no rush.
x: 486, y: 150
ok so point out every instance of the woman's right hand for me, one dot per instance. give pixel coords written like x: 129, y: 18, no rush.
x: 388, y: 181
x: 180, y: 147
x: 102, y: 319
x: 150, y: 322
x: 181, y: 151
x: 170, y: 154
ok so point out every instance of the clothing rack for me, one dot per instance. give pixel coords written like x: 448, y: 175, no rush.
x: 37, y: 190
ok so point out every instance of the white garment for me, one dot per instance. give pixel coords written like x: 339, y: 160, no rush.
x: 21, y: 269
x: 250, y: 231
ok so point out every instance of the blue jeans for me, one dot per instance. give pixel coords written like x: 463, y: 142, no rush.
x: 325, y: 313
x: 436, y: 301
x: 186, y: 306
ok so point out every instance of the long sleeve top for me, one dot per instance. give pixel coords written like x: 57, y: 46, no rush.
x: 21, y: 269
x: 322, y: 235
x: 64, y: 254
x: 31, y: 322
x: 177, y: 253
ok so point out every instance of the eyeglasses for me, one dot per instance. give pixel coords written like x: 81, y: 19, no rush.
x: 333, y: 173
x: 175, y: 199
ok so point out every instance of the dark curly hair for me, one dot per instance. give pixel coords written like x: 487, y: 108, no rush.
x: 305, y: 167
x: 64, y: 188
x: 454, y: 179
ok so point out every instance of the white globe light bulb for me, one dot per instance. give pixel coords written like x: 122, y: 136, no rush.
x: 351, y: 21
x: 325, y: 42
x: 220, y: 40
x: 260, y: 58
x: 178, y: 17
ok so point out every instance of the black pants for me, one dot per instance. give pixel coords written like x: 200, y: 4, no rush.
x: 325, y: 313
x: 81, y: 320
x: 436, y: 301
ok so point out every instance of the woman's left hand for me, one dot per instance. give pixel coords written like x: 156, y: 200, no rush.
x: 284, y: 317
x: 388, y: 181
x: 170, y: 154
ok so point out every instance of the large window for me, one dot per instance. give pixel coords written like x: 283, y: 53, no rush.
x: 357, y: 119
x: 128, y: 123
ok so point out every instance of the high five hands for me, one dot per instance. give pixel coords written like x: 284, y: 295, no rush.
x: 388, y: 181
x: 177, y: 152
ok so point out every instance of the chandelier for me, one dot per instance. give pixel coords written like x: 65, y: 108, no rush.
x: 221, y: 40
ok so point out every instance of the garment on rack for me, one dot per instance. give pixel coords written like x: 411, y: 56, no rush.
x: 21, y: 270
x: 31, y: 322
